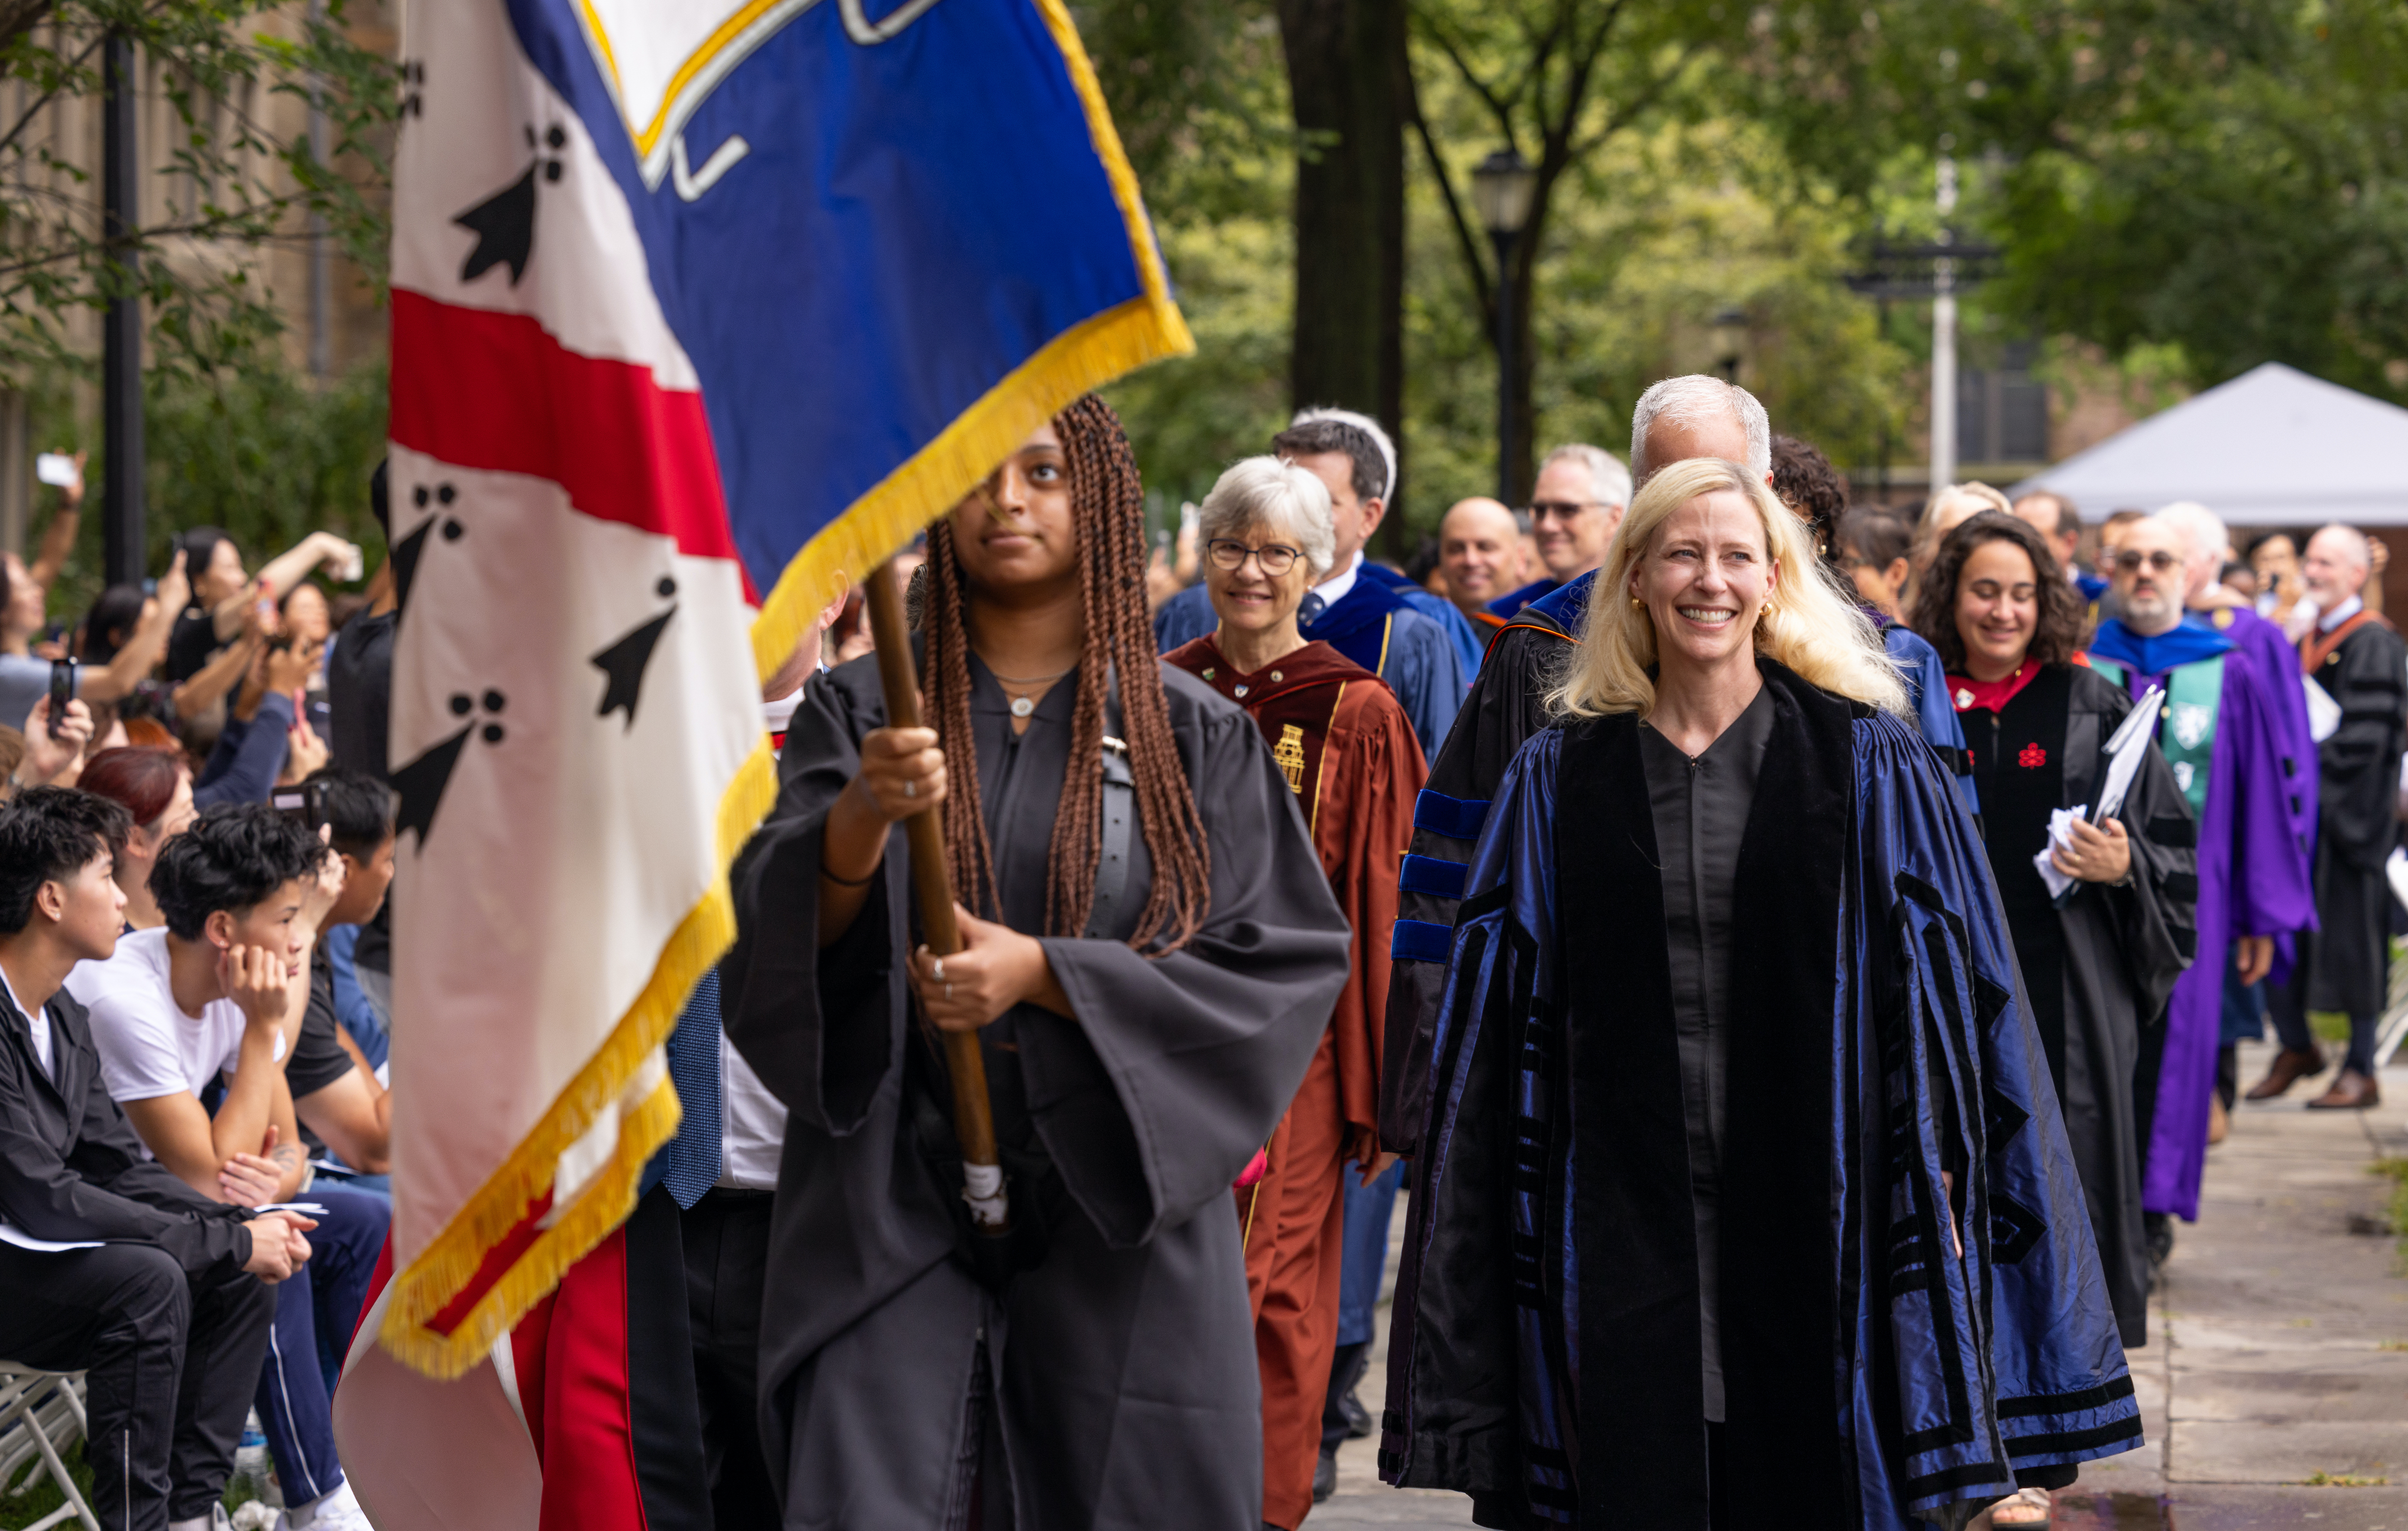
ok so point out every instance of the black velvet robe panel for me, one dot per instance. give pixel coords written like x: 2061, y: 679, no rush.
x: 1115, y: 1384
x: 2113, y: 953
x: 2346, y: 956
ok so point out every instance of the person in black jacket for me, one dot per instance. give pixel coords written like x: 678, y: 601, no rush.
x: 159, y: 1295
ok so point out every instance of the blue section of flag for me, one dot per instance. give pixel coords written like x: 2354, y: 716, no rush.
x: 1419, y: 940
x: 909, y: 222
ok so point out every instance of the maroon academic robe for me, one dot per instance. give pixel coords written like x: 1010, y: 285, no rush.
x: 1349, y: 753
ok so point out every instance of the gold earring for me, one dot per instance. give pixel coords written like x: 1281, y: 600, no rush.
x: 1638, y: 605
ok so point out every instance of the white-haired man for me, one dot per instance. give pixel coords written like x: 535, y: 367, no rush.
x: 1575, y: 506
x: 2223, y: 738
x: 2360, y: 660
x: 1679, y: 418
x: 1416, y: 641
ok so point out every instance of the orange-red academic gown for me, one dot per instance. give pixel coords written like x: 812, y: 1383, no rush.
x: 1349, y: 753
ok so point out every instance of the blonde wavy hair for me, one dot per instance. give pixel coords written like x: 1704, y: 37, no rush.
x: 1808, y: 625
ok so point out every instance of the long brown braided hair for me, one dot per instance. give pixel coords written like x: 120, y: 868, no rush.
x: 1108, y: 505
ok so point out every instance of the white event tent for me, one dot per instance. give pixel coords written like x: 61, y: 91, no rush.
x: 2274, y: 447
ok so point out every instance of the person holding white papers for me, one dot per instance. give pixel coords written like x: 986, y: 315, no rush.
x: 2099, y: 963
x: 111, y: 1265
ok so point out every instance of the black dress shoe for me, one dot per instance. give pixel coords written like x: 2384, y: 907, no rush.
x: 1325, y: 1475
x: 2159, y: 1228
x: 1358, y: 1418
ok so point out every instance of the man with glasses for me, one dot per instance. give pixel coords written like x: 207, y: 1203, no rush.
x: 2221, y: 730
x: 1574, y: 508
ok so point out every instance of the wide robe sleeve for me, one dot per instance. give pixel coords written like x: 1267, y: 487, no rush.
x: 2004, y: 1365
x: 1363, y: 824
x: 1479, y: 1383
x: 1503, y: 708
x: 2270, y: 885
x: 2360, y: 783
x: 1177, y: 1067
x: 2156, y: 912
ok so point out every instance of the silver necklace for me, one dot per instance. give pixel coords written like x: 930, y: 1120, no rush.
x: 1020, y: 705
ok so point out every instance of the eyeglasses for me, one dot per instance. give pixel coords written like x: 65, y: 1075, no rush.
x: 1274, y: 558
x: 1566, y: 510
x: 2159, y: 562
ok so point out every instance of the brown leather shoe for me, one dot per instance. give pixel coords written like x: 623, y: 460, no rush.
x: 2219, y: 1125
x: 2351, y: 1091
x: 2289, y: 1067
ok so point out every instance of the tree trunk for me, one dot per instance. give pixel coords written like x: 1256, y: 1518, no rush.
x: 1345, y: 65
x: 1525, y: 356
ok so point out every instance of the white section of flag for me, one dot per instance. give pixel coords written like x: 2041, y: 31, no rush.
x: 566, y: 852
x: 486, y: 116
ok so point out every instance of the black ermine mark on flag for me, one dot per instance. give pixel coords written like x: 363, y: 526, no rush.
x: 420, y: 784
x: 503, y: 223
x: 407, y: 553
x: 422, y: 781
x: 625, y: 661
x: 413, y: 85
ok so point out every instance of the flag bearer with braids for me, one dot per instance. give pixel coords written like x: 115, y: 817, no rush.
x: 1150, y: 955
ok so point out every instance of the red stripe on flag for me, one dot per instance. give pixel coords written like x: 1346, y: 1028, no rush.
x: 498, y: 1260
x: 494, y: 391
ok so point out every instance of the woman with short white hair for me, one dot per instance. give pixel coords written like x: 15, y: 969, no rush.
x: 1735, y: 1093
x: 1348, y: 751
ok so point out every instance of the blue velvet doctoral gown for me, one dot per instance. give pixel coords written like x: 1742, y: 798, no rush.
x: 1545, y: 1333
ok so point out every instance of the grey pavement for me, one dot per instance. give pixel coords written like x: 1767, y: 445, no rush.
x: 2277, y: 1358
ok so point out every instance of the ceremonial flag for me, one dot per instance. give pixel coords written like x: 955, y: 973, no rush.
x: 697, y: 305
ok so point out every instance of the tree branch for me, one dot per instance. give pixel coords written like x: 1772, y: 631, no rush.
x: 1469, y: 246
x: 1497, y: 109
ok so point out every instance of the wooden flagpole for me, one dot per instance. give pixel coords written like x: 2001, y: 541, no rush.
x: 932, y: 884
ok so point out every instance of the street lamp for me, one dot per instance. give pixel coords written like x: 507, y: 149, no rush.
x: 1502, y: 189
x: 1729, y: 334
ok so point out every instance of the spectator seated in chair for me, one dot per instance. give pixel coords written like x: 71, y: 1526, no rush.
x: 157, y: 1292
x: 210, y: 1007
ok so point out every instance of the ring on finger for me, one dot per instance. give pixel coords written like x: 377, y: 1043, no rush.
x: 936, y: 969
x: 910, y: 789
x: 949, y: 990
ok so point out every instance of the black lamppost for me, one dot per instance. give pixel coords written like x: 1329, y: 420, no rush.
x: 1501, y: 191
x: 120, y: 388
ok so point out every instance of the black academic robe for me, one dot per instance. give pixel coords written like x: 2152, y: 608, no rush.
x: 2098, y: 971
x: 1506, y: 704
x: 1113, y: 1384
x: 2347, y: 957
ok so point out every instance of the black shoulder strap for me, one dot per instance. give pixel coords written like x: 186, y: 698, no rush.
x: 1120, y: 815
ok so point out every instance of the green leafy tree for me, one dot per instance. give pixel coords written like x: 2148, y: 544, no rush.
x: 234, y: 183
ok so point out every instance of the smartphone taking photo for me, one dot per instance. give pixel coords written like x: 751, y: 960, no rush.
x: 56, y: 468
x: 306, y: 803
x: 62, y: 687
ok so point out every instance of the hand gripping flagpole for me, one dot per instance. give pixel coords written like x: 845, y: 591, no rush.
x: 932, y: 883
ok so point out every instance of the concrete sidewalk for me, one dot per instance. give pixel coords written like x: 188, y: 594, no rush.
x: 2278, y: 1348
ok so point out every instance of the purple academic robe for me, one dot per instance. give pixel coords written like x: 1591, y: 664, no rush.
x: 2253, y: 880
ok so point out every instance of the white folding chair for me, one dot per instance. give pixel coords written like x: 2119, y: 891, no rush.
x: 41, y: 1414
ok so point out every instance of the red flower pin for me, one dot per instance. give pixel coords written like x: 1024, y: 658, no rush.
x: 2032, y: 758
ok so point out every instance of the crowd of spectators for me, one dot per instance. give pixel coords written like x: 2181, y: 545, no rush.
x: 192, y: 938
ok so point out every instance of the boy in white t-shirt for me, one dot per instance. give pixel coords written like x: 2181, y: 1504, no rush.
x: 214, y: 999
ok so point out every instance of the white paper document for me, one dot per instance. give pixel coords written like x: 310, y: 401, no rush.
x: 11, y: 1234
x: 2060, y: 831
x: 2126, y: 749
x: 2324, y: 713
x: 307, y: 1208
